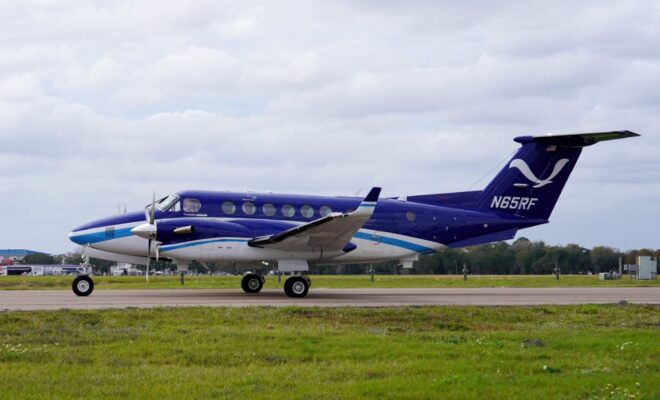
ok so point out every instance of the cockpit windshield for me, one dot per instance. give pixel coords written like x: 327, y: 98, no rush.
x: 166, y: 203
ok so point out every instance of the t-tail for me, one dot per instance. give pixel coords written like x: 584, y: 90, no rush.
x: 530, y: 184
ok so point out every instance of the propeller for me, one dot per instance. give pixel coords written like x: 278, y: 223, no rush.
x: 149, y: 232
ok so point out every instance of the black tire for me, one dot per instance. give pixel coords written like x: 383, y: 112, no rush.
x: 296, y: 286
x: 252, y: 283
x: 83, y: 285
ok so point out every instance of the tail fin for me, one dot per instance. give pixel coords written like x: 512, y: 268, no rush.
x: 530, y: 184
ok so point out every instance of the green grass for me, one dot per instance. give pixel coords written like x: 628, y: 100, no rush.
x: 590, y: 351
x: 325, y: 281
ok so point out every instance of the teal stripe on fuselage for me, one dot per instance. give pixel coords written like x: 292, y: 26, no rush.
x: 394, y: 242
x: 102, y: 236
x: 359, y: 235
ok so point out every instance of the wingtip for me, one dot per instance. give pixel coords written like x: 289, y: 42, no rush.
x: 373, y: 195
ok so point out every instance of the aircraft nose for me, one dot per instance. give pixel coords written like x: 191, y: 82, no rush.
x: 76, y: 238
x: 147, y: 231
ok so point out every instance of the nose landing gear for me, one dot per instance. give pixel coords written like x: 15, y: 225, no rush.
x: 82, y: 285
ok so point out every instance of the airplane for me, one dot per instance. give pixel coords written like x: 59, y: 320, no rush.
x: 295, y: 230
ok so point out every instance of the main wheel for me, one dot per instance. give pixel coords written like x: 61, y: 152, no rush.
x: 82, y: 285
x: 252, y: 283
x: 296, y: 286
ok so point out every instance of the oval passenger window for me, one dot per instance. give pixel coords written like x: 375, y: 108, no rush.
x: 307, y: 211
x: 269, y: 209
x: 288, y: 210
x: 249, y: 208
x: 191, y: 205
x: 228, y: 208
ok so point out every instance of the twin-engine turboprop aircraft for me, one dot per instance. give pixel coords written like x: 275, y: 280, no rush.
x: 294, y: 230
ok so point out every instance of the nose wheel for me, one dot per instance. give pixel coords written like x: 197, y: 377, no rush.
x: 252, y: 283
x: 82, y: 285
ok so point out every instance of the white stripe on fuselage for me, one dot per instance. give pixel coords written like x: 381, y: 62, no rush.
x: 371, y: 246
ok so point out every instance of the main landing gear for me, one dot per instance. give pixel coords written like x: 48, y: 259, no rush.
x: 82, y: 285
x: 295, y: 286
x: 252, y: 283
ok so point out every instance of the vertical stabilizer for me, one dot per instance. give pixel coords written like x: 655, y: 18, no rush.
x: 529, y: 185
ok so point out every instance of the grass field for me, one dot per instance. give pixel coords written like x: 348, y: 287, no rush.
x: 583, y: 352
x: 324, y: 281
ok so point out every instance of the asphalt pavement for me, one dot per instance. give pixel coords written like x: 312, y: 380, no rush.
x: 99, y: 299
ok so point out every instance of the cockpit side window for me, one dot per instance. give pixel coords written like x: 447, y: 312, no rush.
x: 191, y: 205
x: 169, y: 203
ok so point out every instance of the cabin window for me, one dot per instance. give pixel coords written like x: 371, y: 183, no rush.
x: 228, y: 208
x: 191, y: 205
x: 325, y: 210
x: 249, y: 208
x: 410, y: 216
x: 307, y: 211
x: 288, y: 210
x: 269, y: 209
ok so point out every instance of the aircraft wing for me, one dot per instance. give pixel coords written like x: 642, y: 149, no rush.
x: 330, y: 233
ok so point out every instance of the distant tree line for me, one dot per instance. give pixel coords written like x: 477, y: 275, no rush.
x: 520, y: 257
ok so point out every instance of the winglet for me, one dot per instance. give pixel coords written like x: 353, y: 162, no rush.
x: 373, y: 195
x: 367, y: 206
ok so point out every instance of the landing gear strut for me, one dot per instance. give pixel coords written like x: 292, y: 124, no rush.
x: 82, y: 285
x: 297, y: 286
x: 252, y: 283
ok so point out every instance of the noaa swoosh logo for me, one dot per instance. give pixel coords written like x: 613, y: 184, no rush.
x: 524, y: 169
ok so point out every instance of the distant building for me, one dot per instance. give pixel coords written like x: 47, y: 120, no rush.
x: 124, y: 269
x: 14, y: 254
x: 42, y: 270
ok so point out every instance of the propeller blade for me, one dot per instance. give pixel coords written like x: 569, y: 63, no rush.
x: 148, y: 259
x: 152, y: 215
x: 157, y: 251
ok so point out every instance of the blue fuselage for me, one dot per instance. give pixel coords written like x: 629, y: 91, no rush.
x: 224, y: 222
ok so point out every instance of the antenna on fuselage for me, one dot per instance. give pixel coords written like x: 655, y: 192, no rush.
x: 121, y: 208
x: 500, y: 163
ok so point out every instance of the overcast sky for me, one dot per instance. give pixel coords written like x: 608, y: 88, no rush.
x: 103, y: 102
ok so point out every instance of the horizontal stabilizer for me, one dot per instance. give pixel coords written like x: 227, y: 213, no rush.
x: 576, y: 139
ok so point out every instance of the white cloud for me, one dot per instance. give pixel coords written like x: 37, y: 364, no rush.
x: 102, y: 102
